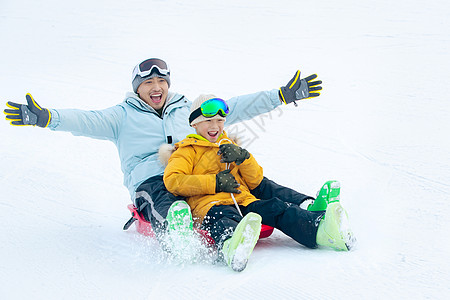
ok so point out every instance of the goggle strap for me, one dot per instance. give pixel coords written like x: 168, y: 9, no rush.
x: 195, y: 114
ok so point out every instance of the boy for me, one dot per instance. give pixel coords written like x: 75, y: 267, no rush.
x: 216, y: 176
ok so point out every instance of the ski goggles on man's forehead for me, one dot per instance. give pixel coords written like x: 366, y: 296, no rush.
x: 146, y: 67
x: 210, y: 108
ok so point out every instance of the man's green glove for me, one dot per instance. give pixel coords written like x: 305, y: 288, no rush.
x: 232, y: 153
x: 31, y: 114
x: 225, y: 182
x: 298, y: 89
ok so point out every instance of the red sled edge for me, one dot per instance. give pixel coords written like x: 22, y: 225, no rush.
x: 144, y: 227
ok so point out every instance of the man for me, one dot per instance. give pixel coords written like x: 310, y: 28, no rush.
x: 150, y: 116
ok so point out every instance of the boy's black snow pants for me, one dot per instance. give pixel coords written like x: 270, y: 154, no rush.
x: 157, y: 199
x: 299, y: 224
x: 268, y: 189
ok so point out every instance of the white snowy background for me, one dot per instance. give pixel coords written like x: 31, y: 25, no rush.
x: 381, y: 127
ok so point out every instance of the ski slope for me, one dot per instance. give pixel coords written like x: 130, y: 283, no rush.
x: 380, y: 127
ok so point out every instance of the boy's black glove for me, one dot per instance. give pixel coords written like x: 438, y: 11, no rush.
x: 31, y: 114
x: 298, y: 89
x: 225, y: 182
x: 232, y: 153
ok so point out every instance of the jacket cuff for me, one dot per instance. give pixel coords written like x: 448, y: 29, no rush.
x: 275, y: 98
x: 211, y: 184
x: 248, y: 161
x: 54, y: 120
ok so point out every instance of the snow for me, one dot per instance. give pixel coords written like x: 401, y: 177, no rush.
x: 380, y: 127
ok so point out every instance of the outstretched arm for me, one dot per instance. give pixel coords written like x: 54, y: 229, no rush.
x: 100, y: 124
x: 246, y: 107
x: 249, y: 106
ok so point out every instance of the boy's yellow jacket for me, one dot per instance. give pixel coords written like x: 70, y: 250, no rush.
x: 192, y: 169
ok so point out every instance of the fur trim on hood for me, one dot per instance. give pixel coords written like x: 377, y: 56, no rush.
x: 164, y: 153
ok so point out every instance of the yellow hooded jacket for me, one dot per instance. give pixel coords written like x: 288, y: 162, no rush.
x: 192, y: 169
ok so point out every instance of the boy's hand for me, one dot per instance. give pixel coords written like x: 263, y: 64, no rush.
x: 225, y: 182
x: 298, y: 89
x: 232, y: 153
x: 30, y: 114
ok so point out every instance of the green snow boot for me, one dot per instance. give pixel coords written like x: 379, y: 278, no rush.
x: 237, y: 249
x: 179, y: 217
x: 180, y: 228
x: 334, y: 230
x: 329, y: 193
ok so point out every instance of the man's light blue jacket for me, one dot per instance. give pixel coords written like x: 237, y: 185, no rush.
x: 138, y: 131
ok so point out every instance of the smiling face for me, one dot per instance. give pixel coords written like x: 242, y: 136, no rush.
x: 210, y: 129
x: 154, y: 92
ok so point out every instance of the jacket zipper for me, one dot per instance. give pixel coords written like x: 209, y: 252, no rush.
x: 164, y: 110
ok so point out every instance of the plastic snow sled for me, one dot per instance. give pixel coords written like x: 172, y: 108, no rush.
x: 144, y: 227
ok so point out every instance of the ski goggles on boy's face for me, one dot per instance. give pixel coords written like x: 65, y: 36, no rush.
x: 210, y: 108
x: 146, y: 67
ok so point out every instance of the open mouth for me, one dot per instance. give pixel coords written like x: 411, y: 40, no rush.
x: 156, y: 98
x: 213, y: 134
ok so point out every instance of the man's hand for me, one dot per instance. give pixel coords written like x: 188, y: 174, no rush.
x: 225, y: 182
x: 30, y: 114
x: 232, y: 153
x: 299, y: 89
